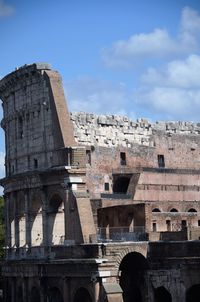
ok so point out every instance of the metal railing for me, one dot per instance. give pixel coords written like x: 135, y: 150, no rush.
x: 107, y: 234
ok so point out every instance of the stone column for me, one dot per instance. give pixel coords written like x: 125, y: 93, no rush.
x: 25, y: 289
x: 16, y: 219
x: 7, y: 217
x: 13, y: 290
x: 44, y: 217
x: 27, y: 218
x: 66, y: 289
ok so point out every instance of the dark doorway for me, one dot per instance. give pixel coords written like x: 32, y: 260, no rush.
x: 162, y: 295
x: 132, y: 269
x: 82, y: 295
x: 35, y: 295
x: 193, y: 293
x: 121, y: 184
x: 55, y: 295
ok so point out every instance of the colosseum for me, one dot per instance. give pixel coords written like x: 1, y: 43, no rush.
x: 98, y: 208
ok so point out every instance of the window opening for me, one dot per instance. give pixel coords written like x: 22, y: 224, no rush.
x: 161, y: 161
x: 154, y: 227
x: 183, y: 224
x: 122, y: 158
x: 88, y: 157
x: 168, y: 223
x: 35, y: 163
x: 106, y: 186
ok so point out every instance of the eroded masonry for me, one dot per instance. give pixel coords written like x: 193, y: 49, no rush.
x: 98, y: 208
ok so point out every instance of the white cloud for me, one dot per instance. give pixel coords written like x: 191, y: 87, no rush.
x: 173, y: 91
x: 97, y: 96
x: 156, y: 44
x: 5, y: 9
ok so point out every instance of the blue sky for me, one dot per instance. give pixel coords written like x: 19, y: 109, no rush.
x: 137, y: 58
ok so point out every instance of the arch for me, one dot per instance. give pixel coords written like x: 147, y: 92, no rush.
x: 19, y: 294
x: 193, y: 293
x: 142, y: 249
x: 132, y: 276
x: 35, y: 295
x: 121, y: 184
x: 192, y: 210
x: 54, y: 295
x: 173, y: 210
x: 35, y: 211
x: 156, y: 210
x: 82, y: 295
x: 56, y: 220
x: 161, y: 294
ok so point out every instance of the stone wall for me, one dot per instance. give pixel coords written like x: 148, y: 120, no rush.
x: 114, y: 130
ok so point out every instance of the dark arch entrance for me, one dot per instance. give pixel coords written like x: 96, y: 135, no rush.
x: 121, y: 184
x: 132, y: 269
x: 35, y: 295
x: 82, y: 295
x: 162, y: 295
x: 55, y: 295
x: 193, y: 293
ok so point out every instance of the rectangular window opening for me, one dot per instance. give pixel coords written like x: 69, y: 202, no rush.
x: 161, y: 161
x: 154, y: 227
x: 88, y: 157
x: 168, y: 223
x: 122, y: 158
x: 106, y: 186
x: 35, y: 163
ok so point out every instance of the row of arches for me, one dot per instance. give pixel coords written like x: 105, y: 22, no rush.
x: 174, y: 210
x: 53, y: 295
x: 133, y: 282
x: 26, y: 220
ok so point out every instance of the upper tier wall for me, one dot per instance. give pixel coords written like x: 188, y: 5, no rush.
x: 114, y: 130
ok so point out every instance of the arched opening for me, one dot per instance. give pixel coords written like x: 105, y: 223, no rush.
x: 132, y: 271
x: 36, y: 221
x: 173, y: 210
x: 19, y: 294
x: 35, y: 295
x: 12, y: 221
x: 162, y: 295
x: 82, y: 295
x: 56, y: 220
x: 20, y: 223
x: 121, y: 184
x: 156, y: 210
x: 192, y: 210
x: 55, y: 295
x: 193, y: 293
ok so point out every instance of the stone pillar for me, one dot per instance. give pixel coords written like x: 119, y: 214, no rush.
x: 7, y: 217
x: 27, y: 218
x: 13, y: 290
x: 44, y: 217
x: 25, y: 289
x: 67, y: 212
x: 66, y: 289
x: 43, y: 290
x: 16, y: 219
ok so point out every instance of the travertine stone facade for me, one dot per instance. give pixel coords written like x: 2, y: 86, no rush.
x: 98, y: 208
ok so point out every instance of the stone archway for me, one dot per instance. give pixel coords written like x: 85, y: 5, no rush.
x: 35, y: 295
x: 132, y: 277
x: 54, y: 295
x: 36, y: 228
x: 20, y: 223
x: 82, y: 295
x: 161, y: 294
x: 56, y: 220
x: 193, y: 293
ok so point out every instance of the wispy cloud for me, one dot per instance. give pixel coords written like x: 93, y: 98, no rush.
x: 5, y: 9
x: 98, y: 96
x: 172, y: 91
x: 156, y: 44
